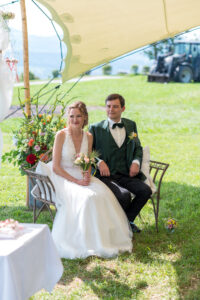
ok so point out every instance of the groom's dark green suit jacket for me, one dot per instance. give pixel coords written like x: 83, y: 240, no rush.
x: 103, y: 143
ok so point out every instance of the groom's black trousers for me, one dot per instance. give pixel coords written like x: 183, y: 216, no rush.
x: 122, y: 186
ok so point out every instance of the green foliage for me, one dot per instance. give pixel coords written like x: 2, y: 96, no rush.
x: 31, y: 76
x: 145, y: 70
x: 88, y: 72
x: 159, y: 48
x: 107, y: 70
x: 55, y: 73
x: 121, y: 73
x: 134, y: 69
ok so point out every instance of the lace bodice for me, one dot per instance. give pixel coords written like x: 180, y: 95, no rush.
x: 69, y: 151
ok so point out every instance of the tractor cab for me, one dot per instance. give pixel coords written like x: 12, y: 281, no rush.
x: 181, y: 65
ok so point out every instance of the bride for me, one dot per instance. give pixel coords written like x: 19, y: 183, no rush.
x: 89, y: 219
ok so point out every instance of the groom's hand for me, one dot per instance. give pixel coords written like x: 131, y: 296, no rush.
x: 134, y: 170
x: 103, y: 169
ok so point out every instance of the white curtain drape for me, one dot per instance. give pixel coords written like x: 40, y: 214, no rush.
x: 96, y: 31
x: 6, y: 79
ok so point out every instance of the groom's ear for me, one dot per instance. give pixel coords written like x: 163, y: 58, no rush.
x: 123, y: 108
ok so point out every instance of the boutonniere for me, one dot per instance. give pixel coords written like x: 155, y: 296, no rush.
x: 132, y: 136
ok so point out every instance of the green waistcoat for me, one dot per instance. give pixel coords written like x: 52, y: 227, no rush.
x: 117, y: 158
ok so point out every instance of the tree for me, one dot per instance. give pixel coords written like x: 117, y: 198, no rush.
x: 145, y: 70
x: 55, y: 73
x: 160, y: 48
x: 31, y: 76
x: 88, y: 72
x: 134, y: 69
x: 107, y: 70
x: 122, y: 73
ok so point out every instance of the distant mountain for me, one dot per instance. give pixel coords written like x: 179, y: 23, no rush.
x: 44, y: 53
x: 44, y: 56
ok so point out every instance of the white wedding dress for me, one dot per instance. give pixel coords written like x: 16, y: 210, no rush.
x: 89, y: 219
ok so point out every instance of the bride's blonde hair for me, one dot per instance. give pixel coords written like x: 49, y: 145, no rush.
x: 82, y: 107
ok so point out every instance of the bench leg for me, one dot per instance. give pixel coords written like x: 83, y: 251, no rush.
x: 155, y: 209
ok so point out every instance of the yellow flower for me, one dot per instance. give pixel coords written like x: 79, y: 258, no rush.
x: 132, y: 135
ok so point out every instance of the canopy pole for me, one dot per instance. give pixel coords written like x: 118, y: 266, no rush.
x: 26, y: 74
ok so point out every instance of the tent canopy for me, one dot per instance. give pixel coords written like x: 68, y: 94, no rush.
x: 97, y: 31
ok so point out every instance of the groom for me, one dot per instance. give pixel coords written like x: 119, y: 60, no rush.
x: 120, y: 158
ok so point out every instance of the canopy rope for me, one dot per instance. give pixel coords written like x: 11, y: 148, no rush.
x: 12, y: 2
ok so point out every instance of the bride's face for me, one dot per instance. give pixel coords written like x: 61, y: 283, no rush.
x: 76, y: 118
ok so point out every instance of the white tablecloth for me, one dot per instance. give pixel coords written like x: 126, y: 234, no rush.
x: 28, y: 263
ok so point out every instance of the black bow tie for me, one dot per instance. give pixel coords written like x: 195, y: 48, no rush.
x: 120, y: 125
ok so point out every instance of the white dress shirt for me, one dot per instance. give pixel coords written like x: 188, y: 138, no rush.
x: 119, y: 134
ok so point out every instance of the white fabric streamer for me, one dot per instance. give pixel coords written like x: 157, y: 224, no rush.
x: 7, y: 79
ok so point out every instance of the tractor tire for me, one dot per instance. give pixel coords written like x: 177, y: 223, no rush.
x: 184, y: 74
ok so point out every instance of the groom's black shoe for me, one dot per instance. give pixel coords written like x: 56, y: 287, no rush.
x: 134, y: 228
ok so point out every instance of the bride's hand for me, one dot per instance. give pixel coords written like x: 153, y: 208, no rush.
x: 83, y: 182
x: 86, y: 179
x: 86, y: 176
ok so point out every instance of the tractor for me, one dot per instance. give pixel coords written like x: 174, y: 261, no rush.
x: 180, y: 65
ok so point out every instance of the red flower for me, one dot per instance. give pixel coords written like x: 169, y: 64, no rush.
x: 44, y: 147
x: 31, y: 159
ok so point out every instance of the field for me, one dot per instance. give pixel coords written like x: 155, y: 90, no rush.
x: 163, y: 265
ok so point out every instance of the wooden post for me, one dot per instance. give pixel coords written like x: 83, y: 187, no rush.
x: 26, y: 73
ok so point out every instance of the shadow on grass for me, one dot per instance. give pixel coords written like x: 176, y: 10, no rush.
x: 104, y: 281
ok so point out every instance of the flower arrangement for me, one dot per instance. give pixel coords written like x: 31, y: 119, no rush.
x: 171, y: 224
x: 35, y: 136
x: 7, y: 15
x: 86, y: 161
x: 10, y: 228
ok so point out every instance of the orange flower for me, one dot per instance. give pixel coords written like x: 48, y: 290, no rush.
x: 31, y: 142
x: 40, y: 116
x: 43, y: 157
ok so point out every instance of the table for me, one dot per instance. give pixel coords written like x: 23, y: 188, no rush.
x: 28, y: 263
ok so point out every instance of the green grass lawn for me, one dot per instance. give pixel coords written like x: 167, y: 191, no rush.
x: 163, y: 265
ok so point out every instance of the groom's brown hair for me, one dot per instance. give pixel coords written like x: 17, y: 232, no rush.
x: 114, y: 97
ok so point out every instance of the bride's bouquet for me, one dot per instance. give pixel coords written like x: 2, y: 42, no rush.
x: 85, y: 161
